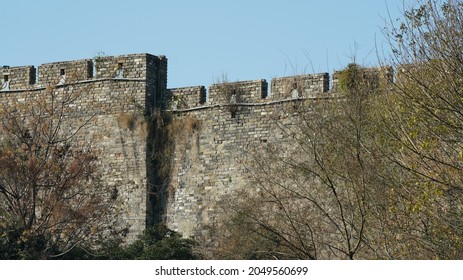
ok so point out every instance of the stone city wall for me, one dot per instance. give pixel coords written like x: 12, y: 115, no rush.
x: 114, y: 95
x: 217, y: 129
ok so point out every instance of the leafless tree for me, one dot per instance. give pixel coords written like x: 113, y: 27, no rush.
x: 422, y: 125
x: 311, y: 199
x: 50, y: 185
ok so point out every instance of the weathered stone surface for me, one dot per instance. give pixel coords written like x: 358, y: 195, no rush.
x: 210, y: 151
x: 115, y: 107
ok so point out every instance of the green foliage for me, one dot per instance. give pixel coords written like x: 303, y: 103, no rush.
x: 17, y: 244
x: 358, y: 80
x: 160, y: 243
x: 348, y: 78
x: 99, y: 56
x: 156, y: 243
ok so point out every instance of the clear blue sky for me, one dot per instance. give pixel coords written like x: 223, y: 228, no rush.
x: 203, y: 39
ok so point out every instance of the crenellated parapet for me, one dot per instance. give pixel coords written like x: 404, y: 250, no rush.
x: 14, y: 78
x: 185, y: 97
x: 248, y: 92
x: 135, y: 66
x: 60, y: 73
x: 146, y: 67
x: 149, y: 71
x: 303, y: 86
x: 238, y: 92
x: 375, y: 77
x: 255, y: 92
